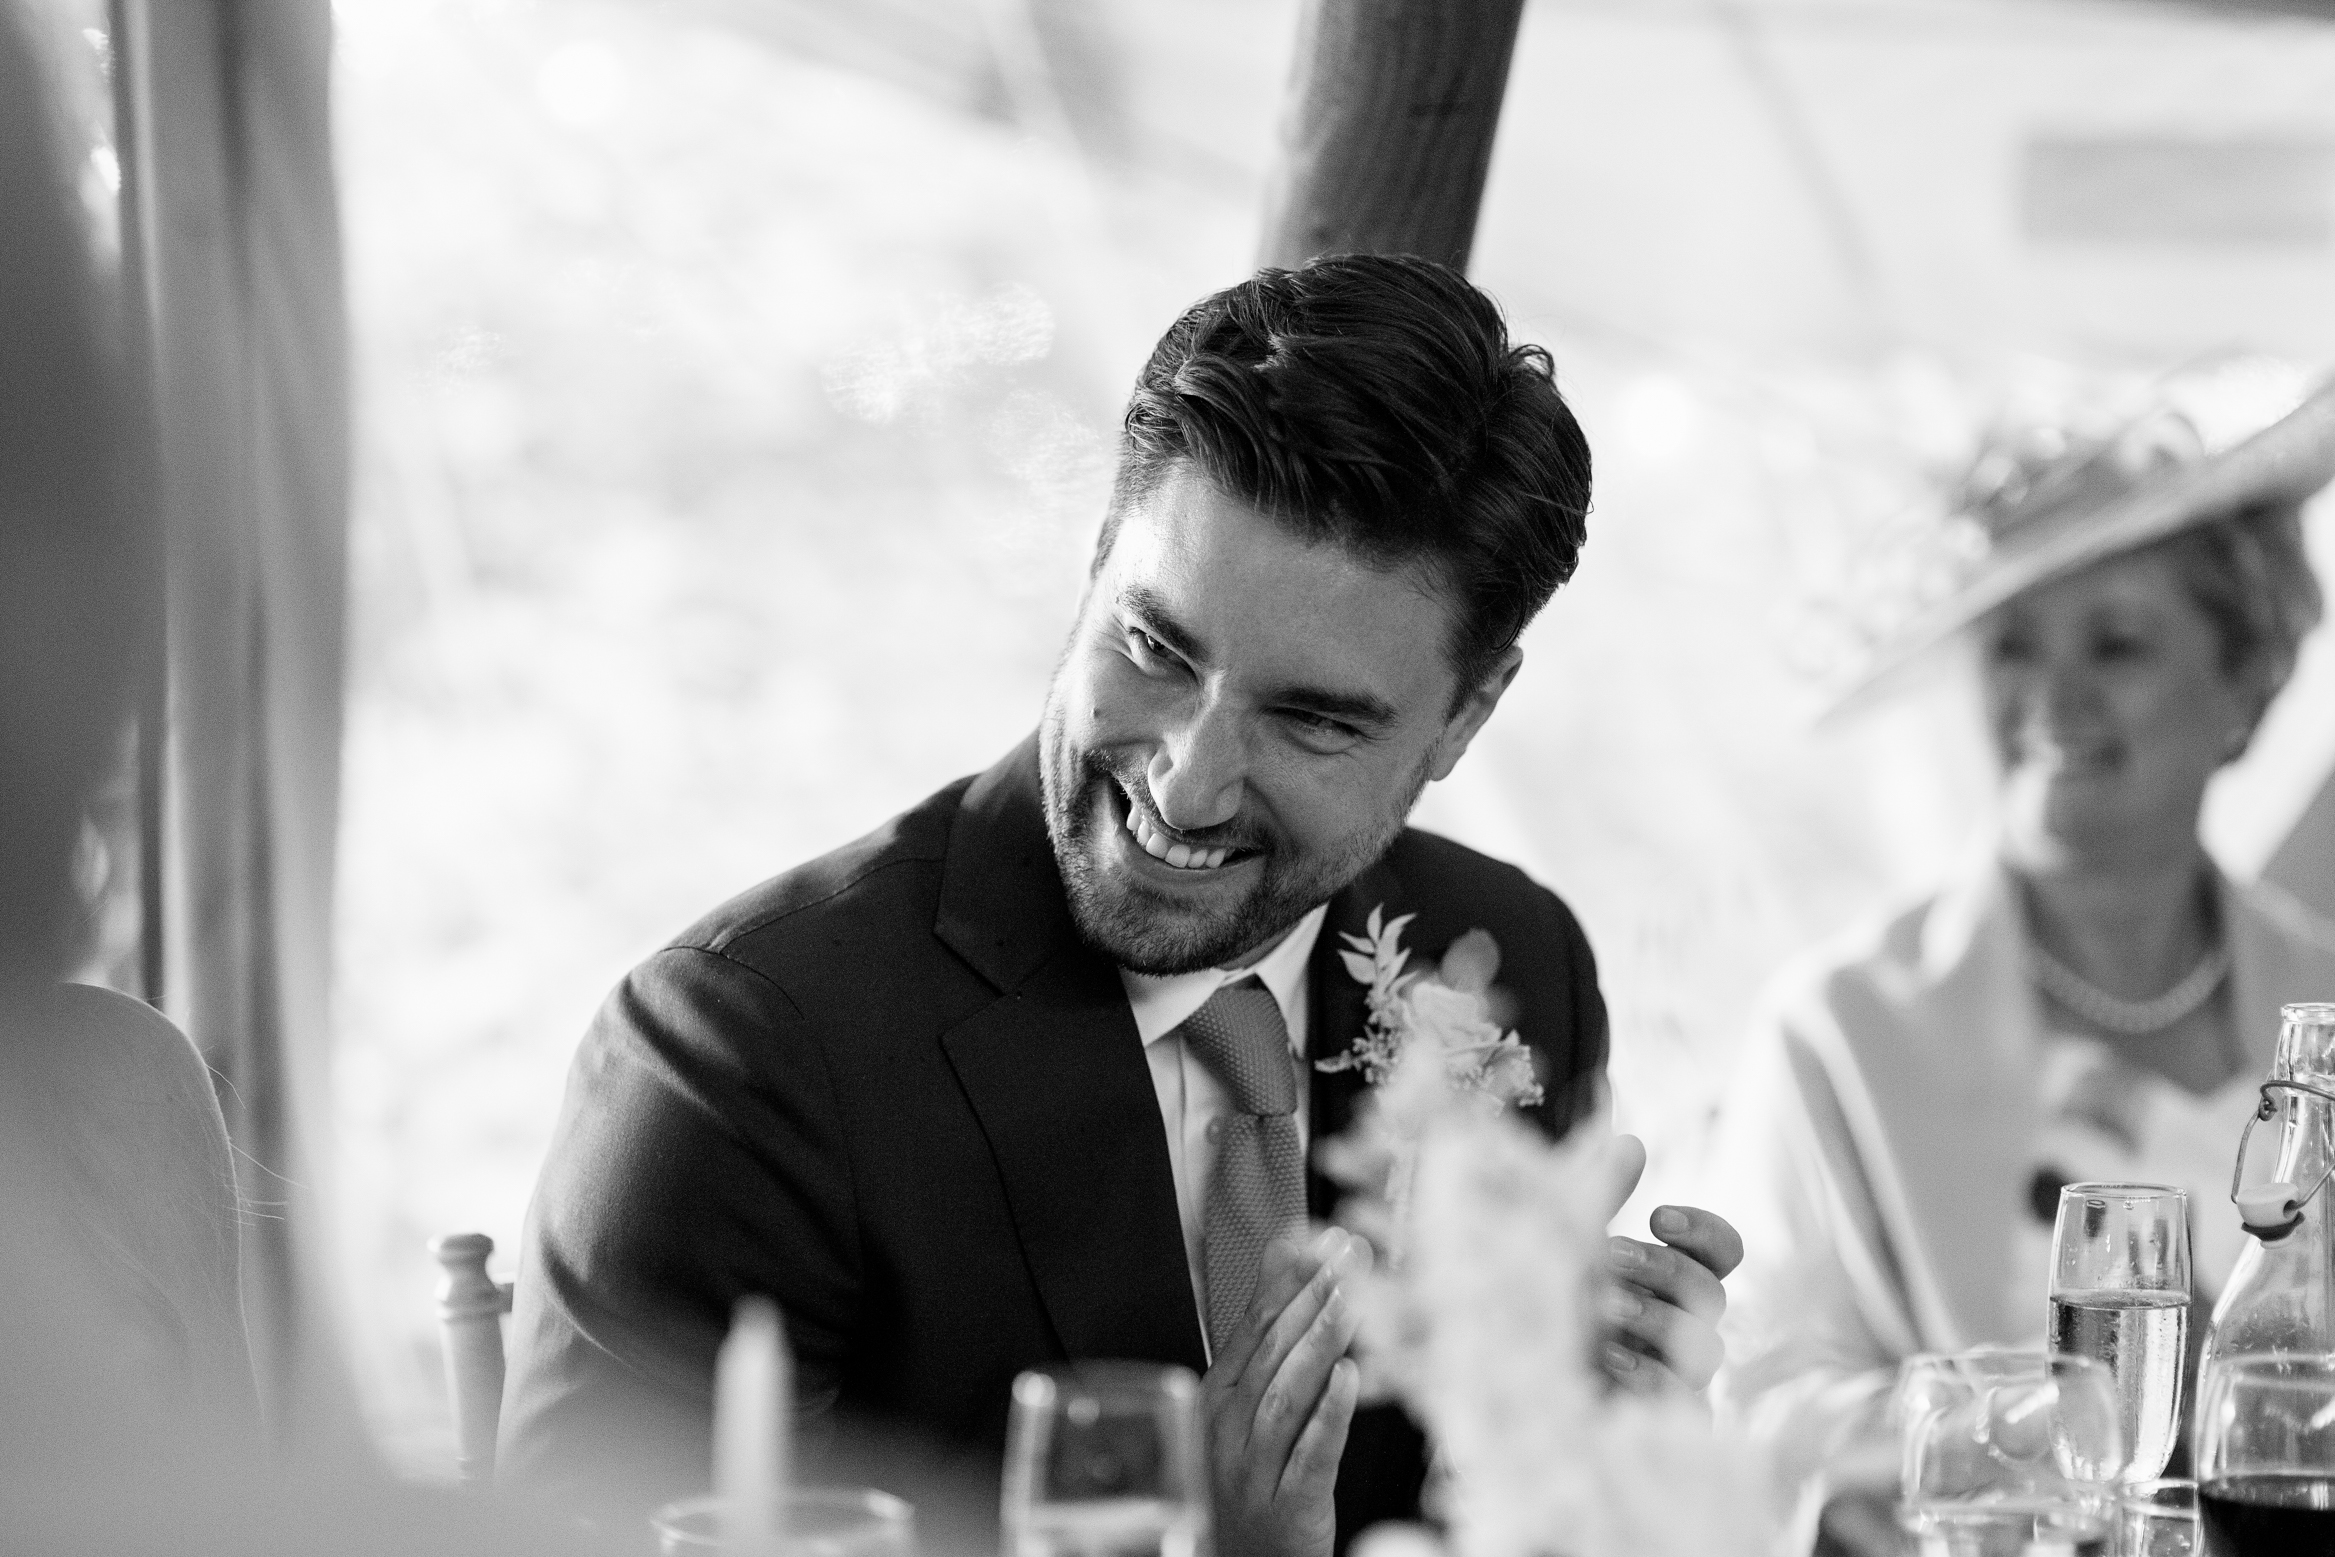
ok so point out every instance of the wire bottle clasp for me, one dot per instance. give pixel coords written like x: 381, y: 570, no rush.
x: 2276, y: 1209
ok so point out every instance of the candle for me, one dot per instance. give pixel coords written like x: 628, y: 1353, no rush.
x: 750, y: 1416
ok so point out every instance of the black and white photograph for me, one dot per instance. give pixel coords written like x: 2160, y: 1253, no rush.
x: 1167, y: 778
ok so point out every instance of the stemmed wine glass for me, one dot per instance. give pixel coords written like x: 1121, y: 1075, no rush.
x: 2120, y: 1295
x: 2266, y: 1453
x: 1104, y: 1459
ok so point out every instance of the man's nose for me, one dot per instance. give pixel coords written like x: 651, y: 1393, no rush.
x: 1197, y: 773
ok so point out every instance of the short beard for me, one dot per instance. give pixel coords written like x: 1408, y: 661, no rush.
x: 1120, y: 918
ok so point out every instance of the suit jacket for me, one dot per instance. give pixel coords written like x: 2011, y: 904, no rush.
x: 893, y: 1090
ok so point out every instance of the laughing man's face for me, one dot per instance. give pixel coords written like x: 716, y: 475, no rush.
x: 1239, y: 725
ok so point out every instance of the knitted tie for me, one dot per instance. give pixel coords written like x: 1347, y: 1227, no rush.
x: 1257, y: 1189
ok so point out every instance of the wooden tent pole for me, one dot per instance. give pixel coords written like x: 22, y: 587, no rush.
x: 238, y: 234
x: 1388, y: 130
x: 130, y: 52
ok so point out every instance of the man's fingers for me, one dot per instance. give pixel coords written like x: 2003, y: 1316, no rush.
x: 1283, y: 1332
x: 1313, y: 1459
x: 1633, y: 1370
x: 1297, y: 1385
x: 1231, y: 1408
x: 1670, y: 1275
x: 1341, y: 1257
x: 1688, y: 1345
x: 1711, y: 1240
x: 1669, y: 1303
x: 1290, y: 1262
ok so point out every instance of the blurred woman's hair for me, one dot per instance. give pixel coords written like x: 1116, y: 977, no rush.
x: 67, y: 556
x: 2251, y: 576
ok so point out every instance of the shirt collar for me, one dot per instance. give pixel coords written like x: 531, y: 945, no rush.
x: 1161, y: 1004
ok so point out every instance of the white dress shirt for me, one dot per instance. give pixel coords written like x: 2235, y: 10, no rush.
x: 1191, y: 1099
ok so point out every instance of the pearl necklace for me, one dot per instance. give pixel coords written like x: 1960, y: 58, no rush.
x: 2130, y: 1018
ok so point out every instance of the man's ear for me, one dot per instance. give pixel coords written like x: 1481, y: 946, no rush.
x: 1472, y: 711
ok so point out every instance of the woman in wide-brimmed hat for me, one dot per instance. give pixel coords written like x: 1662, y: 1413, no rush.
x: 2090, y: 998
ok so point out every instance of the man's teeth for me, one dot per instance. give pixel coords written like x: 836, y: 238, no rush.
x: 1181, y: 855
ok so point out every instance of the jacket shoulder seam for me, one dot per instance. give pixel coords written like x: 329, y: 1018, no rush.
x: 720, y: 942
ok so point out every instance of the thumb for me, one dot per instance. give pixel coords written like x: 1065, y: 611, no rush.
x: 1623, y: 1164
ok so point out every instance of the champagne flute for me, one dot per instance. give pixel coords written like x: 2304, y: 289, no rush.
x: 2007, y: 1452
x: 2266, y: 1454
x: 1103, y: 1459
x: 2120, y: 1295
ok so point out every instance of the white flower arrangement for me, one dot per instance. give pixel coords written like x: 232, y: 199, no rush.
x: 1483, y: 1316
x: 1498, y: 1287
x: 1448, y: 1010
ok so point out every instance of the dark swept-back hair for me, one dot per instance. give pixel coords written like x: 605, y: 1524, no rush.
x: 1375, y: 400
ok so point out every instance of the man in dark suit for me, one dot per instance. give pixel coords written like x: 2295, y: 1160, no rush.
x: 1025, y: 1075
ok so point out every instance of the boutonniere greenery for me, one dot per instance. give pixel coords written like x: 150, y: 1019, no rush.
x: 1448, y: 1010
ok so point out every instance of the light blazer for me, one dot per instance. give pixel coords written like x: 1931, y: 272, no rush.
x: 1876, y: 1147
x: 895, y: 1091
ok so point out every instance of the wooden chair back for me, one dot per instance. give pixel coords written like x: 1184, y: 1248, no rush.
x: 471, y: 1305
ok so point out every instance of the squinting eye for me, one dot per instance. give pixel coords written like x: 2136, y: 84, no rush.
x: 1149, y: 651
x: 1320, y: 729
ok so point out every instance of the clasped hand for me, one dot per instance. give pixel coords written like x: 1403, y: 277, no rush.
x: 1281, y: 1394
x: 1665, y: 1298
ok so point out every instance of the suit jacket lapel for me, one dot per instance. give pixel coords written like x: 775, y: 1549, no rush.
x: 1054, y: 1070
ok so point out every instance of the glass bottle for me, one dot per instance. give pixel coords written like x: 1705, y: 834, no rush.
x: 2281, y: 1296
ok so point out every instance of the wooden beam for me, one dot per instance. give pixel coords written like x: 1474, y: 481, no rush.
x: 1388, y: 132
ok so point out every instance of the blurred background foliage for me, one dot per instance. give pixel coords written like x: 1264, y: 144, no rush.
x: 737, y: 380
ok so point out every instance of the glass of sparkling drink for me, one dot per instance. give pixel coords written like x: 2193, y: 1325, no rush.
x: 2007, y: 1454
x: 1103, y: 1459
x: 2266, y: 1454
x: 2120, y: 1295
x: 809, y: 1521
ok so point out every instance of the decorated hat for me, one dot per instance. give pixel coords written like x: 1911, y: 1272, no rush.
x: 2040, y: 503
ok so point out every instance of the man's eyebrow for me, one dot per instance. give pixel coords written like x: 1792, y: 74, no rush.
x: 1144, y: 603
x: 1357, y: 708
